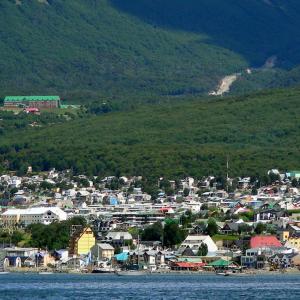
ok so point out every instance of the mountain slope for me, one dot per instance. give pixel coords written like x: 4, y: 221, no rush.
x: 88, y: 49
x: 258, y: 132
x: 256, y: 29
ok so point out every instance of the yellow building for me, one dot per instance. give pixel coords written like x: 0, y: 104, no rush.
x: 294, y: 241
x: 284, y: 235
x: 82, y: 242
x: 11, y: 217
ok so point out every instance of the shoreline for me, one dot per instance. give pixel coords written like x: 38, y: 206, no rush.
x: 251, y: 273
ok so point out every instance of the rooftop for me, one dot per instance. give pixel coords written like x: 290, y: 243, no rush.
x: 31, y: 98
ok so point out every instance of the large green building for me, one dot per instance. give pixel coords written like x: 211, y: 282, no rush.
x: 32, y: 101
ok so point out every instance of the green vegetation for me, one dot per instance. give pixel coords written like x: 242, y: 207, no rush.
x: 258, y: 132
x: 225, y: 237
x: 142, y: 51
x: 51, y: 237
x: 170, y: 234
x: 91, y: 50
x: 203, y: 250
x: 246, y: 27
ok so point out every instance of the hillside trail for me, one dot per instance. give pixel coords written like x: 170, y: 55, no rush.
x: 225, y: 84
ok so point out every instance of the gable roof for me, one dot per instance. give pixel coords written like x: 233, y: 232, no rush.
x: 105, y: 246
x: 118, y: 235
x: 261, y: 241
x: 188, y: 252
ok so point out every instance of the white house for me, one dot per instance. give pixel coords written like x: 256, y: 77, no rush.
x: 195, y: 241
x: 43, y: 215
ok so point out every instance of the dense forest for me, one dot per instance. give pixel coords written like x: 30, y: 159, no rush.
x: 257, y: 132
x: 89, y: 50
x: 140, y: 51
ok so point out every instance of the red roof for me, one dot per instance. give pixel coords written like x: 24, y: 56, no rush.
x: 183, y: 264
x: 32, y: 109
x: 261, y: 241
x: 165, y: 208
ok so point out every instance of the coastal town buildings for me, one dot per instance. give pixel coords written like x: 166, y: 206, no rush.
x: 254, y: 227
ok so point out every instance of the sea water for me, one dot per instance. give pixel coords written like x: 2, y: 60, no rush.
x: 99, y: 286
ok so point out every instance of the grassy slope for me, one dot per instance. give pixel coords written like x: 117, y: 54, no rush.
x: 89, y: 49
x: 257, y: 132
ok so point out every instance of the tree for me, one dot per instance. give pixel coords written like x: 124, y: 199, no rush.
x: 153, y: 232
x: 254, y: 191
x: 274, y: 177
x: 134, y: 231
x: 295, y: 182
x: 260, y: 228
x: 212, y: 227
x: 173, y: 234
x: 186, y: 192
x: 45, y: 185
x: 244, y: 228
x: 204, y: 206
x: 203, y: 250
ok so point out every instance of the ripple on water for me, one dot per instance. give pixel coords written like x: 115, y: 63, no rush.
x: 61, y: 286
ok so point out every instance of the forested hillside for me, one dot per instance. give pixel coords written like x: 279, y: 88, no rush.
x: 89, y: 50
x: 256, y: 29
x: 133, y: 51
x: 257, y: 132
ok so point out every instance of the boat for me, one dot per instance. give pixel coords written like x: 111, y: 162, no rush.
x: 223, y: 273
x: 2, y: 270
x: 131, y: 273
x: 3, y: 273
x: 46, y: 273
x: 103, y: 271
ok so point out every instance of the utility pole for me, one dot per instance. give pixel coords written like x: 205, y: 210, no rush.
x: 227, y: 173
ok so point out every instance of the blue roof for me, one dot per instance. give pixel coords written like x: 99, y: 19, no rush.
x: 113, y: 201
x: 122, y: 256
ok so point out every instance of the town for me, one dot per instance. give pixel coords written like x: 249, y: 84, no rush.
x: 56, y: 221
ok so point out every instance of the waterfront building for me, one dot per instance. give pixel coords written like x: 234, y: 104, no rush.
x: 103, y: 251
x: 195, y: 241
x: 16, y: 257
x: 82, y: 241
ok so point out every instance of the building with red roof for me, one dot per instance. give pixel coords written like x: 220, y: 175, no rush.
x: 263, y: 241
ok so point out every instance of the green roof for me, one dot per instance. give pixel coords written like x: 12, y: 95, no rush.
x: 220, y: 263
x: 31, y: 98
x: 190, y: 259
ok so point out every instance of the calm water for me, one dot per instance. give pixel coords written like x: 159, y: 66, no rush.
x: 28, y: 286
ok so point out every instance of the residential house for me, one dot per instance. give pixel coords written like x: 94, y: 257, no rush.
x: 82, y: 241
x: 16, y: 257
x: 263, y: 241
x: 293, y: 242
x: 195, y: 241
x: 281, y: 260
x: 103, y: 251
x: 268, y: 215
x: 118, y: 238
x: 154, y: 259
x: 258, y: 257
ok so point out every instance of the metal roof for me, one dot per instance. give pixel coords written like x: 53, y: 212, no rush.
x: 31, y: 98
